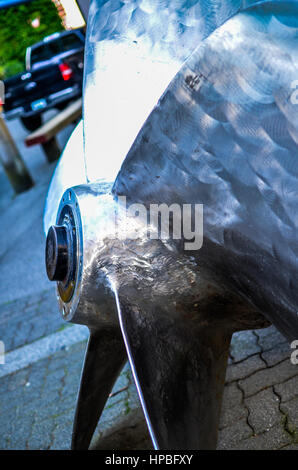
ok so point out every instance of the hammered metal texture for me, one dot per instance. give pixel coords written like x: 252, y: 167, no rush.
x: 226, y: 132
x: 134, y: 50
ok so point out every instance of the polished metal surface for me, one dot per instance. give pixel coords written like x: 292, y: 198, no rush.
x: 175, y: 317
x: 226, y: 132
x: 134, y: 50
x: 70, y: 171
x: 92, y: 302
x: 177, y: 321
x: 186, y: 103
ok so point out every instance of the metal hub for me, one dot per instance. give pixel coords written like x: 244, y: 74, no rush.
x: 61, y: 253
x: 57, y: 253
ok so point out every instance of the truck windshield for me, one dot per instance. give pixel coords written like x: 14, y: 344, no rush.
x: 54, y: 47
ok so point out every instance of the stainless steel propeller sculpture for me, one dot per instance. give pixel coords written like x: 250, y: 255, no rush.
x: 185, y: 103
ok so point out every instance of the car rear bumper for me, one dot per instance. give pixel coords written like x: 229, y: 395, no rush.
x: 52, y: 100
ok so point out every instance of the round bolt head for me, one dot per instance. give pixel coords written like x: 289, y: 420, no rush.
x: 57, y: 253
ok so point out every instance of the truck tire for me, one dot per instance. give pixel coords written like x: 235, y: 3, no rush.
x: 61, y: 106
x: 31, y: 123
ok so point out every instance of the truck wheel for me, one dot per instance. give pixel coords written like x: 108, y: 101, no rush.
x: 31, y: 123
x: 61, y: 106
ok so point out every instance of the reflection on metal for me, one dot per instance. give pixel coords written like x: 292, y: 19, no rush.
x: 134, y: 50
x: 70, y: 171
x: 223, y: 134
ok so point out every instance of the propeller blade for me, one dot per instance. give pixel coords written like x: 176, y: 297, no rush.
x: 220, y: 131
x: 179, y: 369
x: 105, y: 357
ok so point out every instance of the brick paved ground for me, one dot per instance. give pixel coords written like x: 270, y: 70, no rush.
x: 260, y: 408
x: 261, y: 394
x: 27, y: 319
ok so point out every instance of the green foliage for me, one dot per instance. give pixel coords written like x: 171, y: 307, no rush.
x: 17, y: 33
x: 12, y: 67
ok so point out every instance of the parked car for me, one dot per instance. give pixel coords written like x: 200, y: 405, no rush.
x: 53, y: 77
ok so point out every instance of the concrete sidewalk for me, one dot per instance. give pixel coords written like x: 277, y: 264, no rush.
x: 44, y: 356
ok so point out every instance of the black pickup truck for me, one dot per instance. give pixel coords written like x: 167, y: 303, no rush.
x: 53, y: 77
